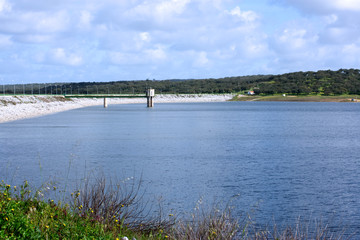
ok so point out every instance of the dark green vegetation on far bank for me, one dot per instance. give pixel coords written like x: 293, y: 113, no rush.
x: 327, y: 83
x: 108, y: 211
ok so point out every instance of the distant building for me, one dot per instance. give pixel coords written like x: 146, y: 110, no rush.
x: 251, y: 93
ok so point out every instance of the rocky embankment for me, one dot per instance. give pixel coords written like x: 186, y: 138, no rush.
x: 19, y: 107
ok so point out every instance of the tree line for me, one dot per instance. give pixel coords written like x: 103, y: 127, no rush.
x: 343, y: 81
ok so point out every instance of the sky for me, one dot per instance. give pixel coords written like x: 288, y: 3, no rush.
x: 46, y: 41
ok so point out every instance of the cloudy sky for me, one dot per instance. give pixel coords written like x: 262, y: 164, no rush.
x: 109, y: 40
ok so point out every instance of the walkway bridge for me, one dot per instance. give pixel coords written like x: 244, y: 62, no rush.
x: 150, y: 93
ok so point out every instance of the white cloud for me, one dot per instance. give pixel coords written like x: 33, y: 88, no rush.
x: 145, y: 36
x: 119, y: 58
x: 336, y: 35
x: 256, y: 47
x: 141, y: 40
x: 156, y: 54
x: 353, y: 49
x: 85, y: 19
x: 325, y: 6
x: 157, y: 12
x: 348, y: 5
x: 351, y: 53
x: 35, y: 22
x: 55, y: 22
x: 4, y: 6
x: 201, y: 60
x: 59, y: 55
x: 247, y: 16
x: 177, y: 38
x: 294, y: 38
x: 294, y: 47
x: 166, y: 9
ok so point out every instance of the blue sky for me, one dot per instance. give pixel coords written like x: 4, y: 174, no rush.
x: 110, y: 40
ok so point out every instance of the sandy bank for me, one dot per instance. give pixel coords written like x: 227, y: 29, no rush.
x: 19, y: 107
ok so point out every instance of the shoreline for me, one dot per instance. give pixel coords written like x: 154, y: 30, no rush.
x: 295, y: 98
x: 19, y: 107
x: 14, y: 108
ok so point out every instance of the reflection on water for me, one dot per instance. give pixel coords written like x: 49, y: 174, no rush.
x: 287, y: 159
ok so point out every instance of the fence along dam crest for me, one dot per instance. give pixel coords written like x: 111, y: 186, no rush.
x: 150, y: 94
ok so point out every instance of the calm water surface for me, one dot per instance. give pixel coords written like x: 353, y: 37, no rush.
x: 284, y: 160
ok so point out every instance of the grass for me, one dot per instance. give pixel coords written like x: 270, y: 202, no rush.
x: 211, y: 222
x: 103, y: 209
x: 301, y: 230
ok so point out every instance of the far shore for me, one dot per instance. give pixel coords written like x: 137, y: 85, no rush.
x: 14, y: 108
x: 297, y: 98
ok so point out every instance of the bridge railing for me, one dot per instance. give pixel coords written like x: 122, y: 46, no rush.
x: 150, y: 93
x: 105, y: 95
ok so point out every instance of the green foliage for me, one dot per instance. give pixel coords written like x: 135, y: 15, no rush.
x: 322, y: 82
x: 23, y: 215
x: 343, y: 81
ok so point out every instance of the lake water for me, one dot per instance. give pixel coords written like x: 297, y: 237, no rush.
x: 281, y: 160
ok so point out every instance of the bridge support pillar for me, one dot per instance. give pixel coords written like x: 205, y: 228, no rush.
x: 105, y: 103
x: 150, y: 93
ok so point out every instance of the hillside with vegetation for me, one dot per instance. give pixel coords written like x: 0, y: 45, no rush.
x: 327, y: 83
x: 324, y: 82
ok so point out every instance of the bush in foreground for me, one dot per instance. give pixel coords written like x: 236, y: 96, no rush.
x: 104, y: 210
x: 25, y: 215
